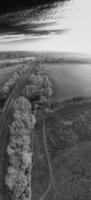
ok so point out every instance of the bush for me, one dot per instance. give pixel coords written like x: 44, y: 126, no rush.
x: 32, y: 92
x: 16, y: 142
x: 10, y: 150
x: 46, y: 82
x: 47, y: 92
x: 23, y: 123
x: 22, y: 104
x: 15, y: 159
x: 27, y: 159
x: 19, y: 150
x: 11, y: 177
x: 38, y: 88
x: 36, y: 80
x: 20, y: 185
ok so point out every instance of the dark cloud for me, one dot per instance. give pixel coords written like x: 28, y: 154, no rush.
x: 32, y: 29
x: 14, y: 5
x: 29, y: 20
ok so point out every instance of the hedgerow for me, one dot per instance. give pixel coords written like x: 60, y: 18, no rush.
x: 19, y: 149
x: 18, y: 178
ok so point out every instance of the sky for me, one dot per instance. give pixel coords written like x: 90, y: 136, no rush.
x: 14, y: 5
x: 64, y: 28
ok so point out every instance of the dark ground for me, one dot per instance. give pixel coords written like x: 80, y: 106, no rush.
x: 68, y: 132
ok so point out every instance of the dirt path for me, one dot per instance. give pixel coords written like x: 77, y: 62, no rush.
x: 6, y: 118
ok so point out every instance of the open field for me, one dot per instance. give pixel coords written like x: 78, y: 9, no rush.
x: 61, y: 145
x: 68, y: 133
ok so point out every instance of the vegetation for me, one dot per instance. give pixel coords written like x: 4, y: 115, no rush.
x: 68, y: 132
x: 64, y: 148
x: 60, y: 136
x: 73, y: 173
x: 22, y: 104
x: 10, y: 84
x: 19, y: 150
x: 38, y: 88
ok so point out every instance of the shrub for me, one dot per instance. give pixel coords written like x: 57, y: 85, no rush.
x: 38, y: 87
x: 26, y: 159
x: 15, y: 159
x: 36, y: 80
x: 15, y: 142
x: 47, y: 92
x: 23, y: 124
x: 10, y: 150
x: 11, y: 177
x: 19, y: 150
x: 46, y: 82
x: 22, y: 104
x: 20, y: 185
x: 32, y: 92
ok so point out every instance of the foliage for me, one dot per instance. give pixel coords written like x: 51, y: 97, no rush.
x: 22, y: 104
x: 18, y: 179
x: 32, y: 92
x: 19, y: 149
x: 9, y: 84
x: 36, y: 80
x: 38, y: 88
x: 26, y: 159
x: 22, y: 124
x: 11, y: 177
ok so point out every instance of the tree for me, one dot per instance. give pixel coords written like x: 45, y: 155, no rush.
x: 19, y: 150
x: 22, y: 104
x: 36, y: 80
x: 11, y: 177
x: 27, y: 159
